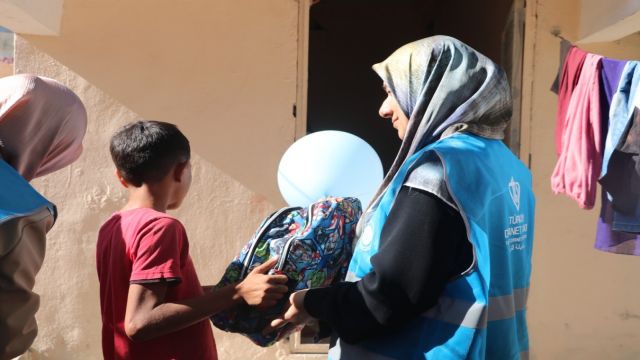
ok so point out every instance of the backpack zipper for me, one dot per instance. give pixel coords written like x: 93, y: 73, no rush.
x: 287, y: 246
x: 260, y: 234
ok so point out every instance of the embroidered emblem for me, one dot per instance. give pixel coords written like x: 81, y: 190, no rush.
x: 514, y: 190
x: 364, y: 243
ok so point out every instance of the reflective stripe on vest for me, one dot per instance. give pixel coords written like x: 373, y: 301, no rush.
x: 475, y: 314
x: 342, y: 350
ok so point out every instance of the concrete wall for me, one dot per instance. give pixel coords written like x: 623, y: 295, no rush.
x: 223, y: 70
x: 32, y: 16
x: 596, y: 15
x: 584, y: 304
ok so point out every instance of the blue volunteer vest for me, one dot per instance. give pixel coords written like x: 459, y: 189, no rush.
x: 18, y: 199
x: 481, y: 314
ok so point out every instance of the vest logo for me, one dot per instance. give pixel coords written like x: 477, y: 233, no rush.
x: 364, y: 243
x: 514, y: 191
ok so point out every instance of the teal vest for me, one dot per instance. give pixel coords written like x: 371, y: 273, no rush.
x: 481, y: 314
x: 18, y: 200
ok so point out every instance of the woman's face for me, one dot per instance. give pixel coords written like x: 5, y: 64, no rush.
x: 390, y: 109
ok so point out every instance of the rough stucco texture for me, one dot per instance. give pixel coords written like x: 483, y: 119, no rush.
x: 598, y: 14
x: 224, y: 70
x: 219, y: 213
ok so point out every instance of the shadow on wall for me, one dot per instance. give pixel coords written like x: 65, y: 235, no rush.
x: 224, y: 71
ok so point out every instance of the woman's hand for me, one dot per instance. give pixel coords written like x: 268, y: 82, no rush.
x: 260, y: 289
x: 295, y: 314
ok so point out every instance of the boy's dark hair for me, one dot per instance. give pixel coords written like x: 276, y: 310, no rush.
x: 145, y: 151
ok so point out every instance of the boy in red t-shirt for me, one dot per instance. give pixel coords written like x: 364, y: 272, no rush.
x: 152, y: 303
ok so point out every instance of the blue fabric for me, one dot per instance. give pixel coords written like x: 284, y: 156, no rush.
x: 499, y: 218
x: 620, y: 115
x: 621, y: 110
x: 17, y: 196
x: 627, y: 222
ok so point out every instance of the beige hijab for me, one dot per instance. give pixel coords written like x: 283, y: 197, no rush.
x: 42, y: 123
x: 443, y: 86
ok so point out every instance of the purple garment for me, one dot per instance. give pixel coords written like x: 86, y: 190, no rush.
x: 610, y: 74
x: 606, y: 238
x: 614, y: 241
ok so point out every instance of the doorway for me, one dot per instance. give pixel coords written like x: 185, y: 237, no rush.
x: 341, y: 39
x: 346, y: 37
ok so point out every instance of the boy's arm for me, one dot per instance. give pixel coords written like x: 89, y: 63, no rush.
x: 148, y: 316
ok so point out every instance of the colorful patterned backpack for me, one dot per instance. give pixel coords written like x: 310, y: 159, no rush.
x: 314, y: 246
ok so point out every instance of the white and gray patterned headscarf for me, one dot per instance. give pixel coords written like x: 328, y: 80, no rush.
x: 444, y: 86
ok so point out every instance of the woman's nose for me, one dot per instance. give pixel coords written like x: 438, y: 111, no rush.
x: 385, y: 109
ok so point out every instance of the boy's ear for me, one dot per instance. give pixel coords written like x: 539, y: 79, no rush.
x: 178, y: 170
x: 121, y: 179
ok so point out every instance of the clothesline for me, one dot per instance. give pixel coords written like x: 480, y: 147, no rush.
x: 597, y: 141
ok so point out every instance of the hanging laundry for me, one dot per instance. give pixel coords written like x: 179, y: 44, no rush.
x: 622, y: 181
x: 568, y: 81
x: 607, y: 238
x: 610, y: 75
x: 622, y: 105
x: 565, y: 46
x: 579, y: 140
x: 579, y: 163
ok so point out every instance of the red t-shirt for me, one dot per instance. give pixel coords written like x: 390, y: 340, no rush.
x: 142, y: 245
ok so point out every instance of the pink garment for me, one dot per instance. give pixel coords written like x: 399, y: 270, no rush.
x: 580, y: 160
x: 42, y: 123
x: 568, y: 81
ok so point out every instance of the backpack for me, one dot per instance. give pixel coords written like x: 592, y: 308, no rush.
x: 314, y: 246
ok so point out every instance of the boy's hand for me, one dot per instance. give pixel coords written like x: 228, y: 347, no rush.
x: 261, y: 289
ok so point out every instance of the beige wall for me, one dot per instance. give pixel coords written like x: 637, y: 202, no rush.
x: 598, y: 14
x: 224, y: 70
x: 32, y: 16
x: 584, y: 304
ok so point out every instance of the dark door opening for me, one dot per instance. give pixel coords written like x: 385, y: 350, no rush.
x: 346, y: 37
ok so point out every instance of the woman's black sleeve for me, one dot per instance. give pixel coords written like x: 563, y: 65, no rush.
x: 423, y: 245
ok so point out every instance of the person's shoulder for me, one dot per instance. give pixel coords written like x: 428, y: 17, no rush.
x: 428, y: 174
x: 110, y: 224
x: 150, y: 219
x: 154, y: 229
x: 141, y: 221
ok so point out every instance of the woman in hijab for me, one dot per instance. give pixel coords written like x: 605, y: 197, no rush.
x: 442, y: 262
x: 42, y: 124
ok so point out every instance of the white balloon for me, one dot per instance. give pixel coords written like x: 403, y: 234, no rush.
x: 329, y: 163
